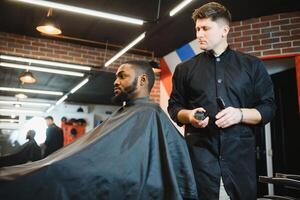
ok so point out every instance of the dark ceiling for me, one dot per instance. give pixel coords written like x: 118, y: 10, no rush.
x: 163, y: 34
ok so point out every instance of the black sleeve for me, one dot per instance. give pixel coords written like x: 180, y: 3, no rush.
x: 177, y: 100
x: 48, y: 136
x: 264, y: 93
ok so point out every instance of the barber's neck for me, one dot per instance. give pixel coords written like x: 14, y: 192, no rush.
x: 220, y: 49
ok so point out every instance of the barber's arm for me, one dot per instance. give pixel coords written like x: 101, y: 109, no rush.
x: 230, y: 116
x: 264, y: 108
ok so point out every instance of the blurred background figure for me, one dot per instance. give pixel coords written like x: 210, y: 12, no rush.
x: 30, y: 151
x: 54, y: 137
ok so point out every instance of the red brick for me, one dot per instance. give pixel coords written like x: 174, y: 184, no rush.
x: 241, y: 28
x: 261, y: 36
x: 46, y: 50
x: 3, y: 43
x: 282, y: 45
x: 280, y: 22
x: 38, y: 44
x: 281, y: 33
x: 37, y: 53
x: 20, y: 41
x: 270, y: 41
x: 270, y: 30
x: 290, y: 27
x: 290, y: 38
x: 251, y: 43
x: 245, y: 49
x: 269, y: 18
x: 251, y: 32
x: 22, y: 51
x: 236, y: 23
x: 262, y: 47
x: 290, y: 15
x: 75, y: 54
x: 60, y: 52
x: 236, y: 45
x: 261, y: 25
x: 230, y: 40
x: 242, y: 39
x: 251, y: 21
x: 7, y: 49
x: 30, y: 48
x: 234, y: 34
x: 291, y: 50
x: 89, y: 57
x: 296, y: 43
x: 295, y: 32
x: 15, y: 45
x: 295, y: 20
x: 271, y: 52
x: 257, y: 54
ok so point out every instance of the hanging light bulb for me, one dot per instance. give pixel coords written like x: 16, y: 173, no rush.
x: 21, y: 96
x: 27, y: 77
x: 49, y: 26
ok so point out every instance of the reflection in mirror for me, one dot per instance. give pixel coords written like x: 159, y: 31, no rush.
x: 13, y: 137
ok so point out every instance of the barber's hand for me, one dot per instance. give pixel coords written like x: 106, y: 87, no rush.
x: 197, y: 123
x: 228, y: 117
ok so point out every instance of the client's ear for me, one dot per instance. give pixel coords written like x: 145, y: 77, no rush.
x: 143, y: 79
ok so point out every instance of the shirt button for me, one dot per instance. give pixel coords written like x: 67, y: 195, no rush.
x: 218, y: 59
x: 219, y: 80
x: 221, y: 158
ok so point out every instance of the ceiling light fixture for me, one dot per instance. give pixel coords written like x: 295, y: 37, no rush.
x: 82, y: 83
x: 84, y: 11
x: 9, y: 120
x: 41, y: 69
x: 120, y: 53
x: 16, y: 111
x: 25, y: 103
x: 49, y: 26
x: 61, y: 100
x: 31, y: 91
x: 27, y: 77
x: 21, y: 96
x: 50, y: 109
x: 179, y: 7
x: 17, y: 105
x: 45, y: 62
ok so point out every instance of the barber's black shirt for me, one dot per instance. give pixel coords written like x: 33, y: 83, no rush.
x: 243, y: 82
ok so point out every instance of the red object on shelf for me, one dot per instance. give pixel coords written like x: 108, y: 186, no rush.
x: 72, y: 131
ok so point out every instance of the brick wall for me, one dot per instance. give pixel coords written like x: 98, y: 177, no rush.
x: 274, y: 35
x: 269, y: 35
x: 48, y: 49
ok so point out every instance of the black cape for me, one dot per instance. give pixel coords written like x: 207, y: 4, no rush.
x: 136, y: 154
x: 30, y: 151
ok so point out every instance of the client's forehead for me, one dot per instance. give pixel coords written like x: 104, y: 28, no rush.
x: 125, y: 68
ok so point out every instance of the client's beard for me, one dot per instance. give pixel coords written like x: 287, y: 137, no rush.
x: 127, y: 94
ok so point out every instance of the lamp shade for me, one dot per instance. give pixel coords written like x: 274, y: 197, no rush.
x: 49, y: 26
x: 21, y: 96
x: 27, y: 77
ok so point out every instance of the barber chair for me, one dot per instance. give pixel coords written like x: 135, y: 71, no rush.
x: 286, y: 180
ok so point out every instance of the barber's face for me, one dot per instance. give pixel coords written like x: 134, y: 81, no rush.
x: 125, y: 85
x: 210, y: 34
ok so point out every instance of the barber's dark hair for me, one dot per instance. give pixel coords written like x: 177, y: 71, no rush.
x: 144, y: 67
x: 49, y: 117
x: 212, y: 10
